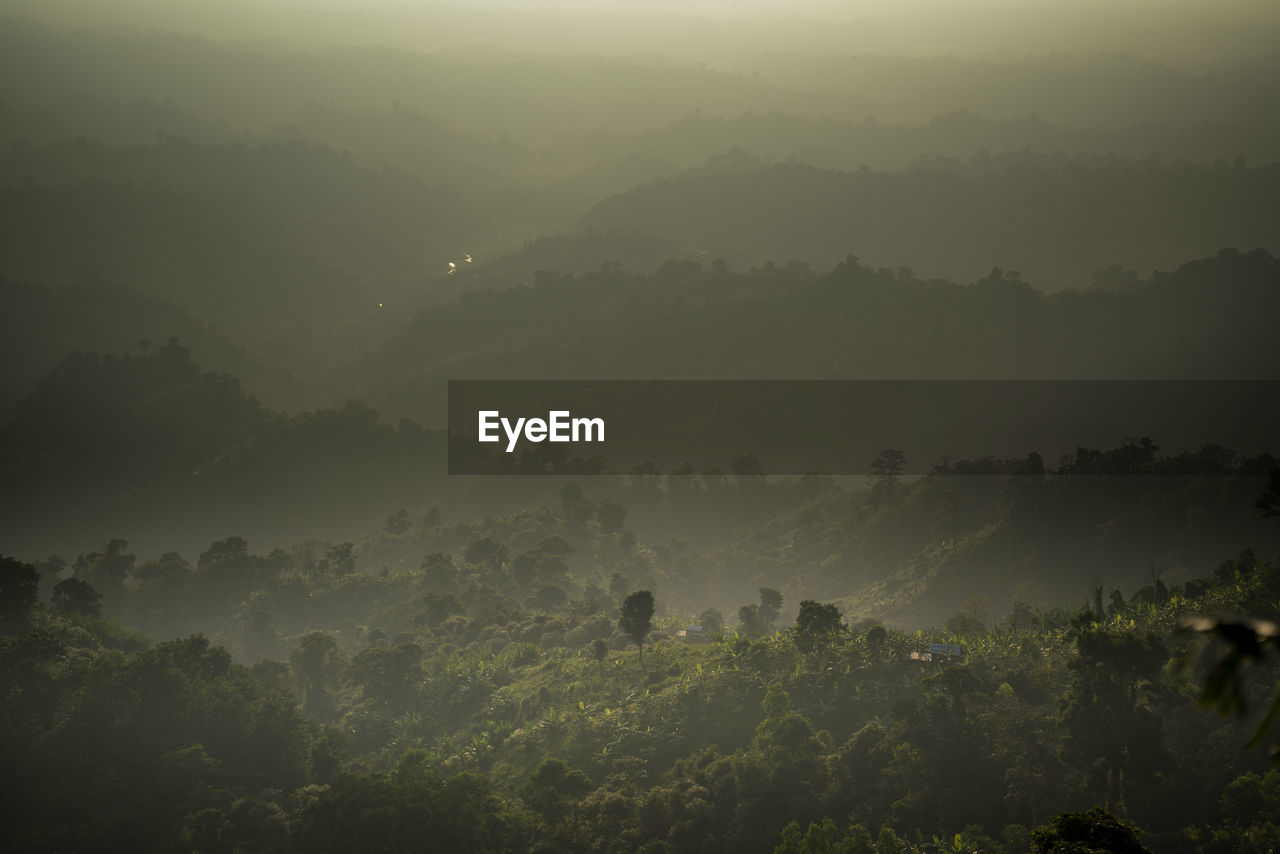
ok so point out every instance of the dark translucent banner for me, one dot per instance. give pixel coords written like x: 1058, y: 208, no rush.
x: 837, y: 426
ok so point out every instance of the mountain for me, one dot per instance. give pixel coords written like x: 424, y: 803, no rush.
x: 40, y: 325
x: 155, y: 448
x: 1055, y: 218
x: 246, y: 236
x: 1208, y: 319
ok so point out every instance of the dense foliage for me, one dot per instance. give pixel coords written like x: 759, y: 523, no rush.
x: 491, y: 696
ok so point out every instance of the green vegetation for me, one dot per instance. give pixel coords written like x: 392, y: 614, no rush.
x: 500, y: 728
x: 245, y: 609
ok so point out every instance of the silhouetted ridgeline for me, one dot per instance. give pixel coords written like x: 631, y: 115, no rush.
x: 1055, y: 218
x: 152, y: 443
x: 1209, y: 319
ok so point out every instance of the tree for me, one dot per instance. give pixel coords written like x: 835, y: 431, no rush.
x: 1092, y: 832
x: 408, y: 810
x: 340, y: 559
x: 749, y: 622
x: 226, y: 572
x: 770, y: 605
x: 485, y: 552
x: 758, y: 619
x: 1106, y: 713
x: 575, y: 506
x: 438, y: 573
x: 76, y: 596
x: 611, y: 515
x: 712, y: 622
x: 1269, y: 503
x: 109, y: 570
x: 636, y: 620
x: 786, y: 736
x: 553, y: 789
x: 570, y: 495
x: 887, y: 466
x: 824, y: 838
x: 889, y: 463
x: 618, y: 584
x: 549, y: 597
x: 317, y: 662
x: 816, y: 625
x: 224, y: 554
x: 746, y: 465
x: 389, y: 674
x: 877, y: 637
x: 398, y: 522
x: 556, y: 546
x: 19, y: 592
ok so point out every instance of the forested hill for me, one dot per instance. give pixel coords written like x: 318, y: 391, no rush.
x: 1210, y: 319
x: 151, y: 433
x: 1057, y: 218
x: 400, y: 706
x: 245, y: 608
x: 151, y: 444
x: 254, y: 237
x: 148, y: 448
x: 874, y: 142
x: 39, y: 325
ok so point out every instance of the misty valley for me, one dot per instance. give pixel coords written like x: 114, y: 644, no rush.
x: 253, y: 597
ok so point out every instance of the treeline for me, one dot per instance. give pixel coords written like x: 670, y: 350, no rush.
x: 235, y: 234
x: 946, y: 550
x: 149, y: 446
x: 848, y: 144
x: 159, y: 146
x: 1054, y: 217
x: 1207, y: 319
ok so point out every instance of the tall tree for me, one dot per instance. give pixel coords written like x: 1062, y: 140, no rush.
x: 77, y: 596
x: 1109, y: 724
x: 886, y: 468
x: 317, y: 662
x: 816, y: 625
x: 636, y: 620
x: 889, y: 463
x: 770, y: 605
x: 712, y: 622
x: 758, y: 619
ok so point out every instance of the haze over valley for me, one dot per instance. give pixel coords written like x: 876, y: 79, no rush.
x: 245, y: 247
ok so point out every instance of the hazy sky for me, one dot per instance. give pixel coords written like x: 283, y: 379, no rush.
x: 721, y: 32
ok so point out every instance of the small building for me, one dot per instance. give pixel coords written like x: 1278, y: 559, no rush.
x: 946, y: 652
x: 694, y: 634
x: 941, y: 653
